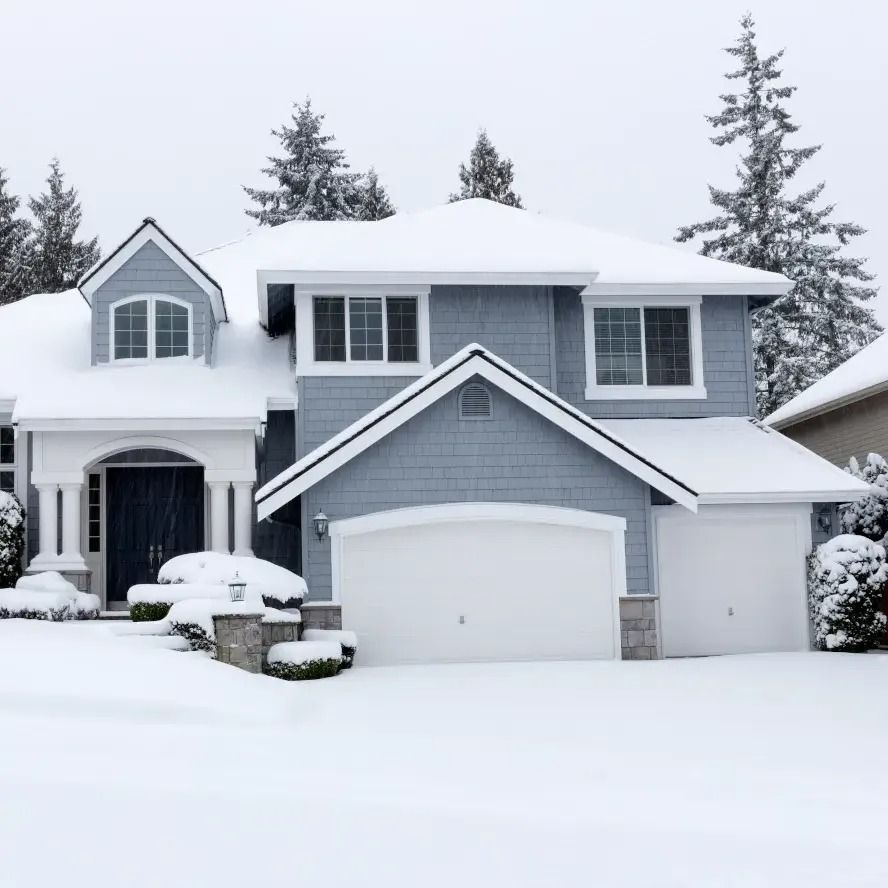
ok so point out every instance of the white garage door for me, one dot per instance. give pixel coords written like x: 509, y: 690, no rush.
x: 732, y: 579
x: 470, y: 589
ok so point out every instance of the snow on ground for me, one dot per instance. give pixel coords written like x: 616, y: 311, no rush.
x: 762, y: 770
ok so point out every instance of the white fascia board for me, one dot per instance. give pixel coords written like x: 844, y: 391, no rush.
x: 801, y: 496
x: 151, y: 233
x: 103, y: 424
x: 691, y: 288
x: 425, y: 278
x: 7, y: 405
x: 343, y: 447
x: 826, y: 407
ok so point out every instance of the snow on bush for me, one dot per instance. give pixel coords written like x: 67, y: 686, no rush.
x: 347, y: 640
x: 304, y: 660
x: 31, y: 604
x: 279, y: 587
x: 845, y: 579
x: 12, y: 539
x: 152, y: 601
x: 868, y: 516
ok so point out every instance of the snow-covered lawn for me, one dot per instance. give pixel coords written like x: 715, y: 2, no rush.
x: 125, y: 765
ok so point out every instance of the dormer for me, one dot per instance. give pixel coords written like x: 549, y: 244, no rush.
x: 150, y: 301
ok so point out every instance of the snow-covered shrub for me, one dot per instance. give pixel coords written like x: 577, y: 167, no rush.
x: 81, y: 605
x: 304, y: 660
x: 869, y: 515
x: 12, y: 539
x: 149, y: 611
x: 277, y: 586
x: 152, y: 601
x: 32, y: 604
x: 348, y: 642
x: 845, y: 579
x: 87, y: 606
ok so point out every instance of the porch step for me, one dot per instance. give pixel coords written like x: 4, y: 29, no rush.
x: 114, y: 615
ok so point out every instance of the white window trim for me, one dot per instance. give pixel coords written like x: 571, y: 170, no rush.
x: 16, y: 460
x: 306, y: 365
x: 151, y: 299
x: 695, y: 391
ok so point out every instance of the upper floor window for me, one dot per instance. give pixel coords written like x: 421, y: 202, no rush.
x: 366, y: 328
x: 148, y: 327
x: 7, y: 459
x: 644, y: 350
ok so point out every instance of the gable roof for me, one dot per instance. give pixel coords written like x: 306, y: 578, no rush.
x: 471, y: 361
x: 863, y: 374
x: 149, y: 230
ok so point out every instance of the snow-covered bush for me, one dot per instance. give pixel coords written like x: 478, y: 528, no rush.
x: 12, y: 539
x: 845, y: 579
x: 277, y: 586
x: 149, y: 611
x: 31, y: 604
x: 869, y: 515
x: 304, y: 660
x: 81, y: 605
x: 348, y: 641
x: 152, y: 601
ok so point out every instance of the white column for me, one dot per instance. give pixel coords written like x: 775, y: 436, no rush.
x: 71, y: 523
x: 219, y: 516
x: 243, y: 517
x: 49, y: 522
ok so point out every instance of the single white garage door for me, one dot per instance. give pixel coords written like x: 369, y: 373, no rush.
x: 732, y: 579
x: 463, y: 589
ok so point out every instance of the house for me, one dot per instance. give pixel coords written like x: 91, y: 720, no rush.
x: 477, y: 433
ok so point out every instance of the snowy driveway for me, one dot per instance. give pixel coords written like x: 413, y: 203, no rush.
x: 122, y: 765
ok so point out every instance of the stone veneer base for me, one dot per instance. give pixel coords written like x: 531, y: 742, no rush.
x: 639, y: 618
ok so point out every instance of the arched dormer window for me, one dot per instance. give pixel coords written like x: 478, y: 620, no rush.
x: 150, y: 327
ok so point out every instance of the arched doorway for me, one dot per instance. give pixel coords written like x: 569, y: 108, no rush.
x: 143, y: 506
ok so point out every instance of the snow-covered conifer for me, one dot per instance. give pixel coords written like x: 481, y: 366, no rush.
x: 373, y: 200
x: 312, y: 178
x: 868, y: 516
x: 487, y: 175
x: 821, y: 322
x: 15, y: 247
x: 59, y: 258
x: 12, y: 539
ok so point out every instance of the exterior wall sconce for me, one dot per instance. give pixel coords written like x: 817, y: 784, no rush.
x: 824, y: 519
x: 237, y: 588
x: 321, y: 524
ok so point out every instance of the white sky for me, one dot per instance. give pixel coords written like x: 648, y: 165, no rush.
x: 164, y: 108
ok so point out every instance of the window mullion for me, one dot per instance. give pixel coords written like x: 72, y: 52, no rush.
x: 348, y: 345
x: 644, y: 369
x: 385, y: 329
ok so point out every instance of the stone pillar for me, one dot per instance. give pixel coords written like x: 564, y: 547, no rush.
x: 638, y: 627
x: 70, y: 523
x: 243, y: 517
x: 219, y: 516
x: 239, y: 640
x: 49, y: 523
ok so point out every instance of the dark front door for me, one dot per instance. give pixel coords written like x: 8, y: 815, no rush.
x: 153, y: 514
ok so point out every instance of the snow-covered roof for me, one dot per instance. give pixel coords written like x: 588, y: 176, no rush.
x: 735, y: 459
x: 473, y: 242
x: 863, y: 374
x: 45, y: 371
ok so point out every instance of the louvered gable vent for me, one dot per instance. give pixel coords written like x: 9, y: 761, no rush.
x: 475, y: 402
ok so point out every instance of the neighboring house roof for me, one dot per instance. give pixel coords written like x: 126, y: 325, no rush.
x: 737, y: 460
x: 45, y: 372
x: 862, y: 375
x: 475, y: 242
x: 149, y: 230
x: 473, y: 360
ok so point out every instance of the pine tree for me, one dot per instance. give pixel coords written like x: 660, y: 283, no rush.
x: 373, y: 200
x: 15, y: 247
x: 313, y: 178
x: 821, y: 322
x: 487, y: 175
x: 59, y: 259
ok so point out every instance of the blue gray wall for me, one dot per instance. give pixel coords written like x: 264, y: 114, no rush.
x: 517, y: 456
x: 150, y: 270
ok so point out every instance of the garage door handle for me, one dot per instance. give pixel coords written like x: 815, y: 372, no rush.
x: 730, y: 612
x: 462, y: 619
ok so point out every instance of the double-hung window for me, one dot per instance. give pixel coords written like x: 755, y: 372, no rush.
x: 382, y: 329
x: 7, y: 459
x: 643, y: 350
x: 149, y: 327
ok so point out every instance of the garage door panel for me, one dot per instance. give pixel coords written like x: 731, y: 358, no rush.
x: 476, y: 590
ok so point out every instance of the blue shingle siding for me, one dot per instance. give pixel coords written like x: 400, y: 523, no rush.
x: 512, y: 322
x: 726, y: 359
x: 518, y: 456
x: 150, y: 270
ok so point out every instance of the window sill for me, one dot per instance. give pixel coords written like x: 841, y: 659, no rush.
x: 645, y: 393
x: 362, y: 368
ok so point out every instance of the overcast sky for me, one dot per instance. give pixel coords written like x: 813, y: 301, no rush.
x: 164, y: 108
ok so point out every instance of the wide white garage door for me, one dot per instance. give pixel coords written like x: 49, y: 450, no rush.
x: 468, y: 589
x: 732, y: 579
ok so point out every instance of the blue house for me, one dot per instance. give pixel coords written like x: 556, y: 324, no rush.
x: 476, y: 432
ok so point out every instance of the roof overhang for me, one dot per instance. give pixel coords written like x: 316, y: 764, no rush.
x: 103, y: 424
x: 767, y: 291
x: 470, y: 361
x: 826, y: 407
x: 149, y: 230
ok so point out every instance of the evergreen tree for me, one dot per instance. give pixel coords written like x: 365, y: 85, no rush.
x: 821, y: 322
x: 487, y: 175
x: 59, y: 259
x: 15, y: 247
x: 313, y: 178
x: 373, y: 200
